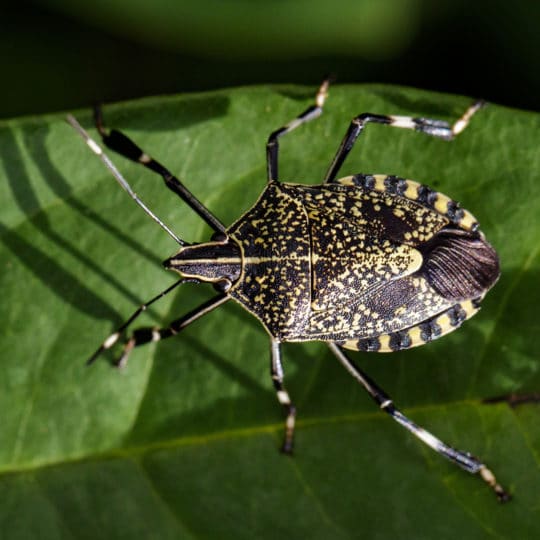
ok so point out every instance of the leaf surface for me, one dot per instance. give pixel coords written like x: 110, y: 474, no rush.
x: 183, y: 443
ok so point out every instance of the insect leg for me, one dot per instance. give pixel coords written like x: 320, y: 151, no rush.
x: 140, y: 336
x: 312, y: 112
x: 276, y: 370
x: 463, y: 459
x: 435, y: 128
x: 123, y: 145
x: 94, y: 146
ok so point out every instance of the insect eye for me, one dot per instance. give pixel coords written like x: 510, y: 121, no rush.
x: 219, y: 237
x: 223, y: 285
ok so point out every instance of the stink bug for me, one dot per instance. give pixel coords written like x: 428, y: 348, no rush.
x: 364, y: 262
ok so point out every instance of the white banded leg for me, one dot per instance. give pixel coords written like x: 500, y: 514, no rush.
x: 434, y: 128
x: 123, y: 145
x: 464, y: 459
x: 276, y: 370
x: 312, y: 112
x: 96, y: 148
x: 140, y: 336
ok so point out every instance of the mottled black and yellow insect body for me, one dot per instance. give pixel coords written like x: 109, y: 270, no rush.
x: 366, y: 262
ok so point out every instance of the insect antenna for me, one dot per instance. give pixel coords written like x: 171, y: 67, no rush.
x: 96, y: 148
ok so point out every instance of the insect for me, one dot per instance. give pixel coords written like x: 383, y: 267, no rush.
x: 364, y: 262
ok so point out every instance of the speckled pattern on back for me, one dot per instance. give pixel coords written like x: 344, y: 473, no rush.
x: 345, y: 262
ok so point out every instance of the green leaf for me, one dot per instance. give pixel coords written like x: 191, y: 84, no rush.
x: 183, y: 443
x: 242, y: 30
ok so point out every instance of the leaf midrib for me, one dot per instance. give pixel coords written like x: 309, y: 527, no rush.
x: 136, y: 451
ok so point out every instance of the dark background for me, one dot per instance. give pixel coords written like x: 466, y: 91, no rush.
x: 62, y: 54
